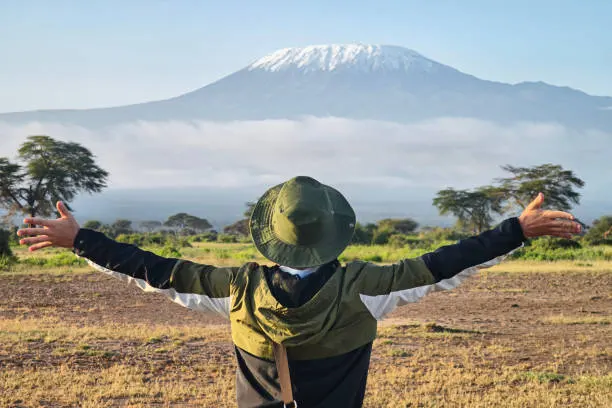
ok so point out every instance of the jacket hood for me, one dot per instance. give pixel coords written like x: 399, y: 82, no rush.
x: 298, y: 326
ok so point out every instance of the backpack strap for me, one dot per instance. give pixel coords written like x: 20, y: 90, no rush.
x: 282, y: 366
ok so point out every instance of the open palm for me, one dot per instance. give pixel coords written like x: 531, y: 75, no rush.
x: 60, y: 232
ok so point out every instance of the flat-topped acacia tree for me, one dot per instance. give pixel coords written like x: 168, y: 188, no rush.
x: 47, y: 171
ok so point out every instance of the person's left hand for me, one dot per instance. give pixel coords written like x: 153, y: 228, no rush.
x: 537, y: 222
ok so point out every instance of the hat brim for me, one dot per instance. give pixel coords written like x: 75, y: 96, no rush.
x: 337, y: 238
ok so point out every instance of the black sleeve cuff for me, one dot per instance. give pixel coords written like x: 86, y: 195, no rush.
x: 84, y: 239
x: 447, y: 261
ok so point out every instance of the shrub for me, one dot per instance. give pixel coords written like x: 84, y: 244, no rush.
x: 225, y: 238
x: 398, y: 241
x: 6, y: 262
x: 210, y: 236
x: 381, y: 237
x: 167, y: 251
x: 5, y: 248
x: 61, y: 259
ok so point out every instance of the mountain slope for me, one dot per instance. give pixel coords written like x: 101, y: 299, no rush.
x: 353, y: 81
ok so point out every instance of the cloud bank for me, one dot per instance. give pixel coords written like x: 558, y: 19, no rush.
x: 431, y: 154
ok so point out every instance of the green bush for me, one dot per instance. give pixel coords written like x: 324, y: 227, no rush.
x: 210, y: 236
x: 443, y: 234
x: 167, y: 251
x: 6, y: 262
x: 156, y: 239
x: 61, y: 259
x: 550, y: 243
x: 5, y: 244
x: 381, y: 237
x: 226, y: 238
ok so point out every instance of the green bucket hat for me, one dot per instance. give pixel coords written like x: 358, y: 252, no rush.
x: 302, y: 223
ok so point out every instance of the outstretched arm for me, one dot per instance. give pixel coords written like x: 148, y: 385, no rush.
x: 448, y: 261
x: 192, y: 285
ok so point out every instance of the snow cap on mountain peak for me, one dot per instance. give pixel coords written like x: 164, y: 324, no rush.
x: 336, y: 56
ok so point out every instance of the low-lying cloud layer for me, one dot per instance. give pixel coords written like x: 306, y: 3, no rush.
x: 433, y: 154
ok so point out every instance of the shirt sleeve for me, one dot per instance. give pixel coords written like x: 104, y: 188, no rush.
x: 193, y: 285
x: 384, y: 288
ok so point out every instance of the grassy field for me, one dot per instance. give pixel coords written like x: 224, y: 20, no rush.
x: 522, y: 334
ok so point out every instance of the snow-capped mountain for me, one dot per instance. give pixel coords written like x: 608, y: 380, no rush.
x: 364, y: 58
x: 353, y: 81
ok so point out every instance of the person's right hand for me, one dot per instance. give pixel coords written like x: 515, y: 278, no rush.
x: 60, y: 232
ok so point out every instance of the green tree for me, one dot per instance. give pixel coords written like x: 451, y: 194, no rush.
x: 398, y: 225
x: 182, y: 221
x: 364, y: 234
x: 121, y: 226
x: 599, y: 233
x: 151, y: 225
x: 474, y: 209
x: 48, y: 171
x: 557, y: 184
x: 5, y: 248
x: 93, y: 225
x: 241, y: 227
x: 250, y: 206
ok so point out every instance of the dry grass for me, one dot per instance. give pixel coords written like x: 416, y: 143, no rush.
x: 561, y: 319
x: 69, y: 338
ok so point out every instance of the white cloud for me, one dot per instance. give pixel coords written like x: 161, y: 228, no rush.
x: 435, y: 153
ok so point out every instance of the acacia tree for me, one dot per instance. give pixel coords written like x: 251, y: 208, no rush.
x: 93, y: 225
x: 557, y: 184
x: 151, y: 225
x: 398, y: 225
x: 474, y: 209
x: 184, y: 221
x: 241, y: 227
x: 121, y: 226
x: 47, y: 171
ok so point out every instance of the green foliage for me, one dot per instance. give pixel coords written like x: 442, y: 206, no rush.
x: 557, y: 185
x: 93, y: 225
x: 381, y: 237
x: 151, y: 225
x: 48, y: 171
x: 398, y: 225
x: 226, y: 238
x: 473, y: 209
x: 240, y: 227
x: 121, y: 226
x: 596, y: 235
x: 250, y: 206
x: 363, y: 234
x: 5, y: 248
x: 61, y: 259
x: 209, y: 236
x: 167, y: 251
x: 552, y: 243
x: 156, y: 239
x: 6, y: 262
x: 442, y: 234
x: 184, y: 221
x: 551, y: 249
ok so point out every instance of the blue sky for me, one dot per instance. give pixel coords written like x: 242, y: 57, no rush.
x: 79, y: 54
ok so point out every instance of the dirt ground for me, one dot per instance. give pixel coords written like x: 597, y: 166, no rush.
x: 539, y: 322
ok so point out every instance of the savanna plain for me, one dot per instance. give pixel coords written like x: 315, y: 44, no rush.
x: 525, y: 333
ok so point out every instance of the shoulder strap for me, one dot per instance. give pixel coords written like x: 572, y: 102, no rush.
x: 282, y: 366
